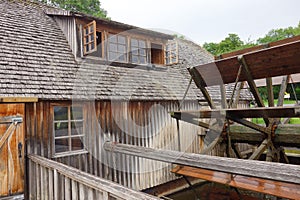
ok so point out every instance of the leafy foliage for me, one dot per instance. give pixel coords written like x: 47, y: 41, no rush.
x: 233, y: 42
x: 91, y: 7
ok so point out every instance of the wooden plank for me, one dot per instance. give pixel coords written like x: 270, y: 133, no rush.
x: 268, y: 112
x: 275, y: 61
x: 262, y: 147
x: 260, y: 169
x: 270, y: 92
x: 287, y: 135
x: 87, y: 180
x: 18, y: 99
x: 276, y: 188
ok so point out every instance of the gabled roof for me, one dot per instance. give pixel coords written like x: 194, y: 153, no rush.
x: 36, y: 60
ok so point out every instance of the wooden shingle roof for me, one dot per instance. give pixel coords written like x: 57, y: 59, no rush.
x: 36, y: 60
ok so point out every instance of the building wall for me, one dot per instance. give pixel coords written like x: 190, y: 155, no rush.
x: 138, y: 123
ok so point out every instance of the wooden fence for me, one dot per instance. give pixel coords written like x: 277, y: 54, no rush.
x: 49, y: 179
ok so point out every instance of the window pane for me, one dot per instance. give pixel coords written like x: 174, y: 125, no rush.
x: 143, y: 60
x: 60, y: 113
x: 92, y: 46
x: 135, y: 52
x: 112, y: 38
x: 77, y: 143
x: 142, y: 52
x: 92, y: 37
x: 61, y: 145
x: 121, y: 49
x: 113, y: 47
x: 112, y: 56
x: 87, y: 47
x: 91, y: 29
x: 87, y: 39
x: 142, y: 44
x: 134, y: 42
x: 61, y: 129
x: 86, y: 30
x: 135, y: 59
x: 121, y: 40
x: 121, y: 57
x: 76, y: 113
x: 76, y: 128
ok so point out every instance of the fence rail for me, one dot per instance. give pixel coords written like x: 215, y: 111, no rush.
x: 52, y: 180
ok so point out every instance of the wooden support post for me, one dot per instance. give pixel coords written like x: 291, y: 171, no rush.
x: 211, y: 145
x: 199, y: 81
x: 259, y: 150
x: 270, y: 92
x: 252, y: 84
x: 260, y: 169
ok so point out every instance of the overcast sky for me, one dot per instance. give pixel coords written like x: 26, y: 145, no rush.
x: 207, y: 20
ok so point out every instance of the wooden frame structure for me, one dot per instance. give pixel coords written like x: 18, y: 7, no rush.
x: 278, y: 59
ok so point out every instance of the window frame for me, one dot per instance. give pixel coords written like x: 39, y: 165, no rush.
x: 119, y: 53
x: 145, y: 48
x: 170, y: 51
x: 70, y: 152
x: 88, y: 35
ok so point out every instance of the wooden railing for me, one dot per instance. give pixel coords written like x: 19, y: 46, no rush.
x: 52, y: 180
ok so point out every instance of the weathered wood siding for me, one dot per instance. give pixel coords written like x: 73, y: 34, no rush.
x: 11, y: 158
x: 139, y: 123
x: 68, y: 26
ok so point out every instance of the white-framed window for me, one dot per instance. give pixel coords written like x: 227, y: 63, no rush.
x: 89, y: 38
x: 138, y: 51
x: 171, y: 53
x: 68, y: 130
x: 117, y: 48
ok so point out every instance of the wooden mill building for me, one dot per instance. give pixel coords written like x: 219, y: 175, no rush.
x: 70, y: 82
x: 75, y: 88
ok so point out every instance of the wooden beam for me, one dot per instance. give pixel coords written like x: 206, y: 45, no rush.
x: 287, y: 135
x: 7, y: 133
x: 201, y: 83
x: 190, y: 119
x: 252, y: 84
x: 276, y: 61
x: 270, y: 112
x: 270, y: 92
x: 251, y: 168
x: 89, y: 180
x: 18, y: 99
x: 282, y: 90
x: 276, y: 188
x: 262, y: 147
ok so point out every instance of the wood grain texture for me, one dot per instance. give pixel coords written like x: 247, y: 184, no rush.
x: 11, y: 157
x: 280, y: 189
x: 88, y: 184
x: 251, y: 168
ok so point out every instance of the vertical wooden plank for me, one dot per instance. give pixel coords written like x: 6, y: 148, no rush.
x: 50, y: 184
x: 90, y: 193
x: 81, y: 192
x: 56, y: 184
x: 42, y: 179
x: 270, y: 92
x: 67, y: 188
x: 105, y: 196
x: 74, y: 190
x: 38, y: 181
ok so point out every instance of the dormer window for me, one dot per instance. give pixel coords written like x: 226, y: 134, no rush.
x: 117, y: 48
x: 138, y: 54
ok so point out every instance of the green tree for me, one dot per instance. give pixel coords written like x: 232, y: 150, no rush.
x: 230, y: 43
x: 279, y: 34
x: 233, y: 42
x: 91, y: 7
